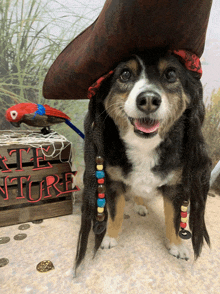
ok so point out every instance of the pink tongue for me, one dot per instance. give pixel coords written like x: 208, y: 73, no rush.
x: 145, y: 127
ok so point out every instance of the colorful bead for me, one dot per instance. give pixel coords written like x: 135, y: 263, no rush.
x: 99, y: 174
x: 185, y: 203
x: 100, y: 209
x: 101, y: 189
x: 101, y: 202
x: 184, y: 219
x: 183, y: 214
x: 184, y: 234
x: 183, y: 225
x: 99, y: 167
x: 183, y: 208
x: 101, y: 181
x: 100, y: 225
x: 99, y: 160
x: 100, y: 217
x: 101, y: 195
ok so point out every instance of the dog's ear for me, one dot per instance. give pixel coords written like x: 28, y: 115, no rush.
x: 196, y: 171
x: 196, y: 75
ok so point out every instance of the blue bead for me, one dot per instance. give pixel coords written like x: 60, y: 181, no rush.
x: 101, y: 202
x: 100, y: 174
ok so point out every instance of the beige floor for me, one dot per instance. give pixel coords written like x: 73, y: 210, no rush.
x: 139, y: 264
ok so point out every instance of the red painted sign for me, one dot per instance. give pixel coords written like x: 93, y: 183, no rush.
x: 58, y: 185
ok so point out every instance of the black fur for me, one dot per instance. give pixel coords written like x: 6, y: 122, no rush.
x: 183, y: 147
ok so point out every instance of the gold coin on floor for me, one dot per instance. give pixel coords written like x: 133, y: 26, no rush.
x: 24, y: 227
x: 3, y: 262
x: 38, y: 221
x: 45, y: 266
x: 4, y: 240
x: 20, y: 237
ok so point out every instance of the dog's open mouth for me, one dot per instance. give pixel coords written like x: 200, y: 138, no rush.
x: 145, y: 126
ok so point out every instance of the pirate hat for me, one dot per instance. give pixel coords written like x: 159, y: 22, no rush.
x: 125, y: 27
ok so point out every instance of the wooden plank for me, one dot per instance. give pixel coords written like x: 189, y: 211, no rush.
x: 28, y: 153
x: 35, y: 198
x: 31, y: 213
x: 36, y: 175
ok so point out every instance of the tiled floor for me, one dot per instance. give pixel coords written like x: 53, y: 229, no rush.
x: 139, y: 264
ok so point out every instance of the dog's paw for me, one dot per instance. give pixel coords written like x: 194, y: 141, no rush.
x: 140, y: 209
x: 108, y: 242
x: 179, y: 251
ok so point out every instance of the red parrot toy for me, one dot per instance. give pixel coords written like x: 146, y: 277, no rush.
x: 38, y: 115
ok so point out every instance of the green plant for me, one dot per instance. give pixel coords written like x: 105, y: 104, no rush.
x: 27, y: 48
x: 211, y: 127
x: 32, y: 34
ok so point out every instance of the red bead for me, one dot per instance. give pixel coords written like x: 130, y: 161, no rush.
x: 183, y: 225
x: 101, y: 181
x: 101, y: 195
x: 183, y: 214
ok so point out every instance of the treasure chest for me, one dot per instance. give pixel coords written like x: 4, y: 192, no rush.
x: 36, y: 177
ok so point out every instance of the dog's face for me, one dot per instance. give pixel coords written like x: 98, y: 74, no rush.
x: 147, y: 96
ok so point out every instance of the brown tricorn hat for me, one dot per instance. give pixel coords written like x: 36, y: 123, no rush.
x: 125, y: 27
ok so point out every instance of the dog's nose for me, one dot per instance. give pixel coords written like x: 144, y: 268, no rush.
x: 148, y: 101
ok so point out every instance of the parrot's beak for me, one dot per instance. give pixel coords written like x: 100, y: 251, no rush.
x: 15, y: 124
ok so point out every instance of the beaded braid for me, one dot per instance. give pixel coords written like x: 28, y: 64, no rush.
x: 100, y: 221
x: 184, y: 234
x: 93, y: 148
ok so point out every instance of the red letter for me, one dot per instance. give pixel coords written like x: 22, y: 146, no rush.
x: 3, y: 193
x: 18, y: 156
x: 3, y: 165
x: 20, y: 185
x: 66, y: 182
x: 28, y: 192
x: 51, y: 182
x: 36, y: 158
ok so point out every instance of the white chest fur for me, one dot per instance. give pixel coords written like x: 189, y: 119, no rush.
x: 142, y: 154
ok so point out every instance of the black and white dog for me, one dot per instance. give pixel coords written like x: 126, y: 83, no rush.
x: 145, y: 121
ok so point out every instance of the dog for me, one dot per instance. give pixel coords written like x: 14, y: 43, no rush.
x: 145, y: 121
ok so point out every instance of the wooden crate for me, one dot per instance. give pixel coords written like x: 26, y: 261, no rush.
x: 34, y: 185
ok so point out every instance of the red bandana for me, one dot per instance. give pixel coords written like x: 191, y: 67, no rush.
x: 190, y: 60
x: 94, y: 88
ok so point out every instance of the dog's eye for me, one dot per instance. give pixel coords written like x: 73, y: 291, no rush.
x: 125, y: 75
x: 171, y: 75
